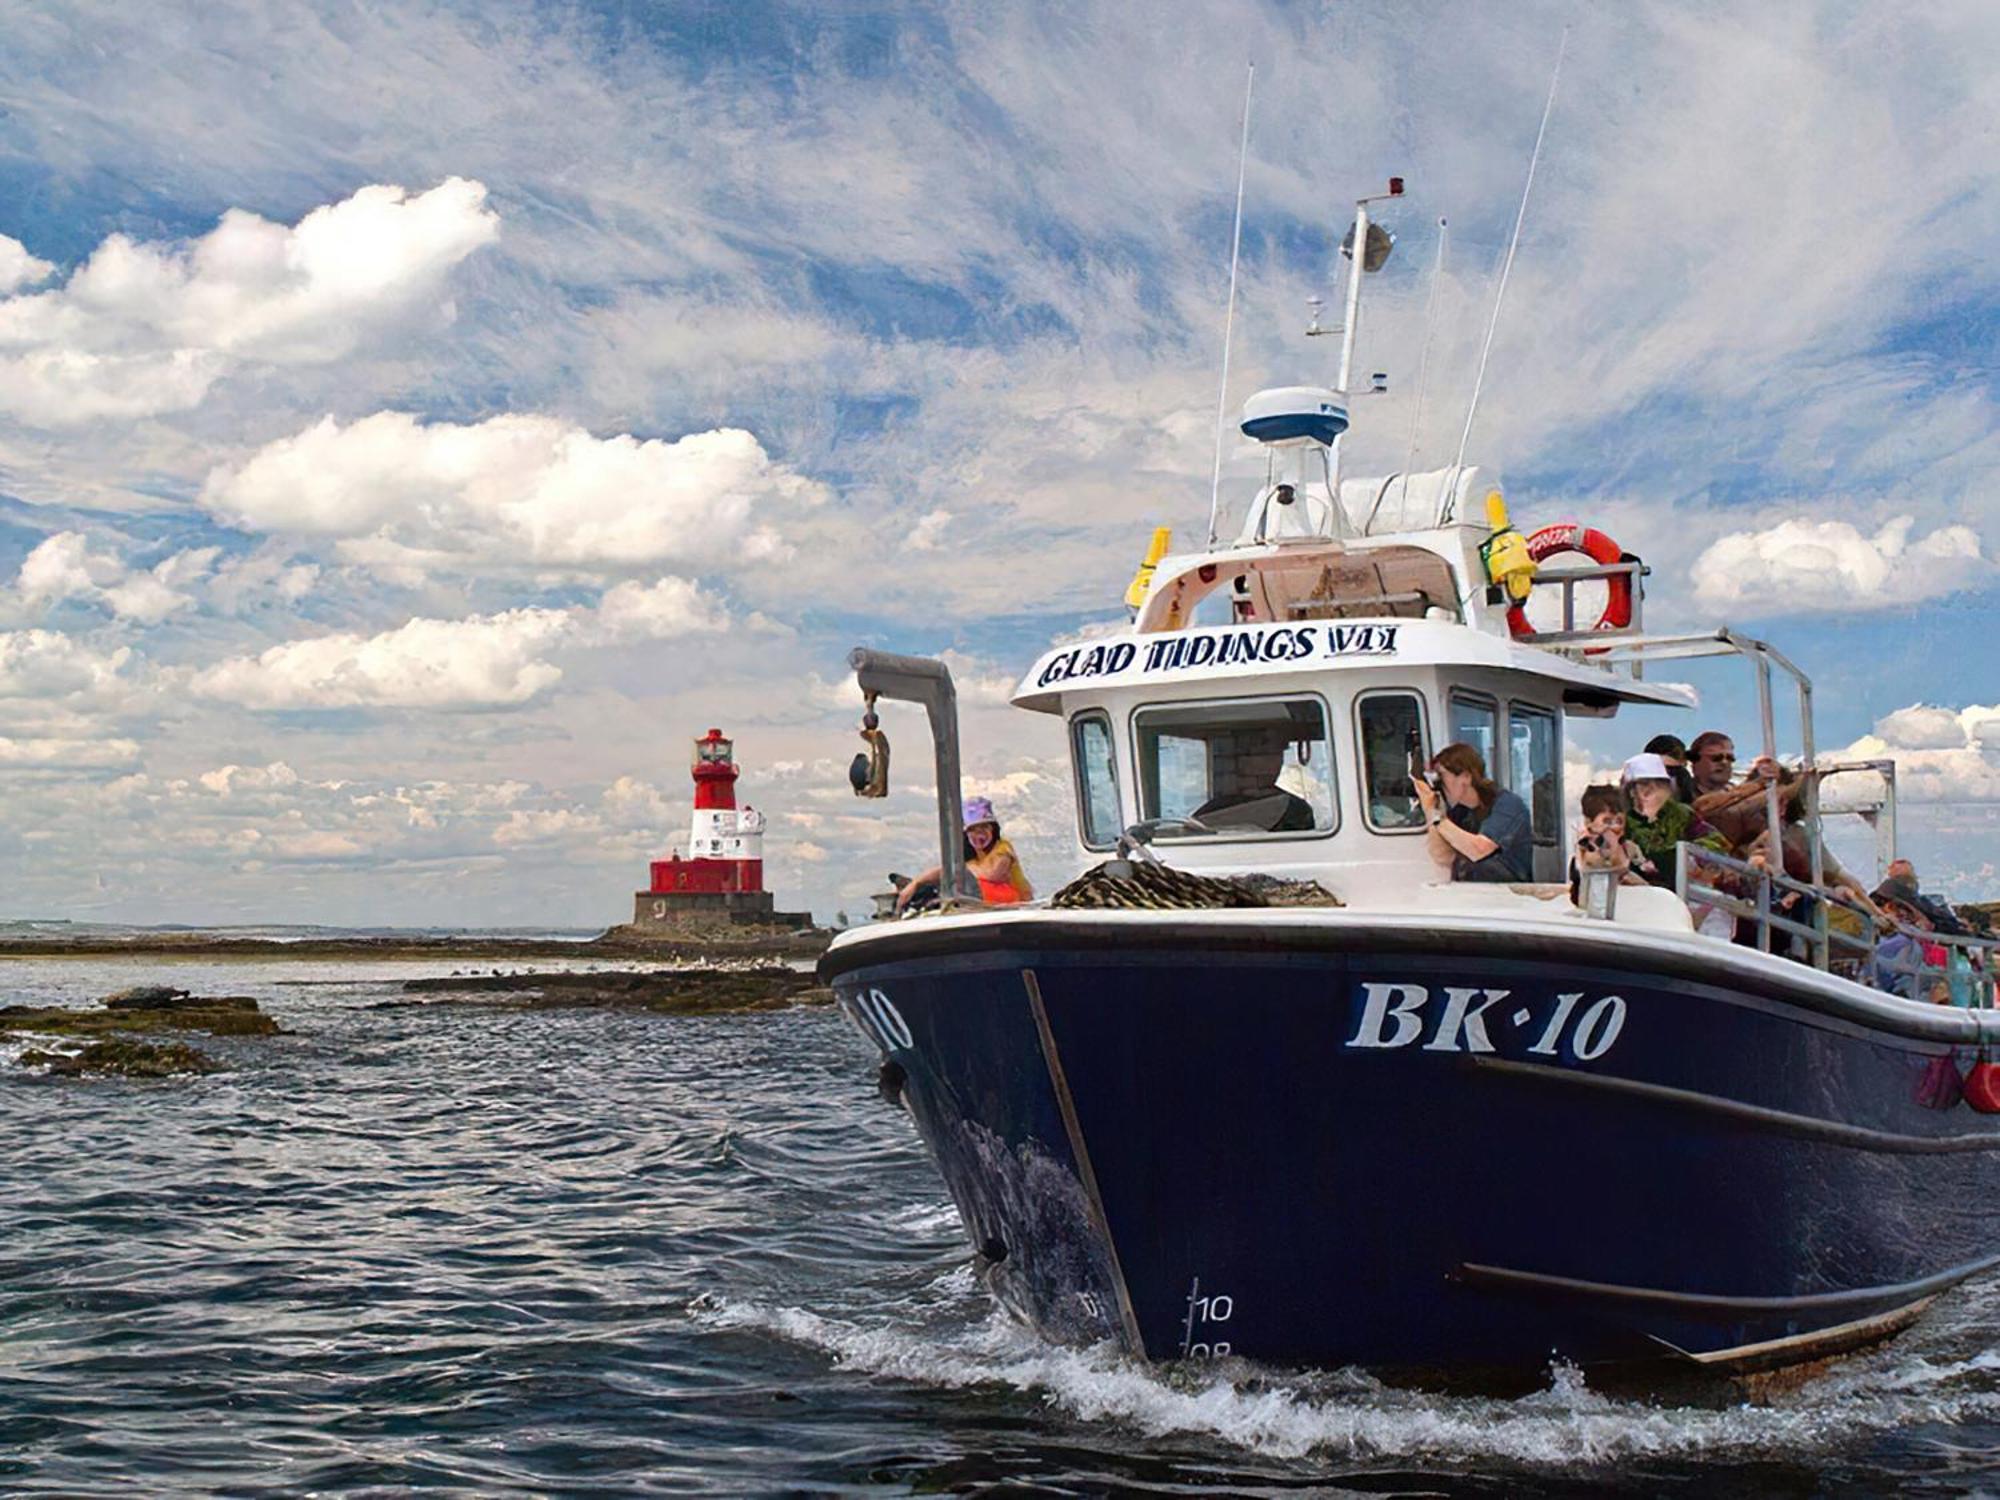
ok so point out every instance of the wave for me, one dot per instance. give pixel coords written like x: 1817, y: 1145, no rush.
x: 1289, y: 1414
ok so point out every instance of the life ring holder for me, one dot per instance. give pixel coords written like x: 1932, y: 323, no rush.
x: 1567, y: 536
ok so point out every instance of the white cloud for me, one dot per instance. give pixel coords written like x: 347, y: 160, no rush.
x: 66, y: 566
x: 1923, y: 727
x: 928, y: 533
x: 633, y: 611
x: 63, y: 567
x: 18, y: 268
x: 512, y: 490
x: 548, y: 825
x: 481, y: 662
x: 47, y: 665
x: 142, y: 328
x: 639, y: 806
x: 261, y: 579
x: 1800, y: 565
x: 484, y: 661
x: 66, y: 754
x: 977, y: 682
x: 1949, y: 755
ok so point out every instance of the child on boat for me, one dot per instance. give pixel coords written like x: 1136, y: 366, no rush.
x: 989, y: 858
x: 1602, y: 845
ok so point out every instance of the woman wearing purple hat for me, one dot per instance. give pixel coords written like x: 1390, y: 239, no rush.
x: 990, y: 859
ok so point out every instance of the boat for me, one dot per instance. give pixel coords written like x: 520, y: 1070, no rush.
x: 1435, y: 1129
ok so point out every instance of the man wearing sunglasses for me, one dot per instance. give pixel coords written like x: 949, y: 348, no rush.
x: 1712, y: 763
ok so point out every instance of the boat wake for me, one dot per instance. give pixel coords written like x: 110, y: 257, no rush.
x: 1279, y: 1414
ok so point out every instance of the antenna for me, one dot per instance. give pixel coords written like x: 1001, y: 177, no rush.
x: 1229, y: 318
x: 1500, y: 293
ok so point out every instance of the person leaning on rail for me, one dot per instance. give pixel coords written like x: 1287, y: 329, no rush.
x: 989, y: 859
x: 1478, y: 831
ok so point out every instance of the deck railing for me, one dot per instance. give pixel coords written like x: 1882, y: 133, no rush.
x: 1968, y: 973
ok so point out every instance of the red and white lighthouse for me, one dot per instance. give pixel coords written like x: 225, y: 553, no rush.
x: 720, y: 884
x: 725, y: 846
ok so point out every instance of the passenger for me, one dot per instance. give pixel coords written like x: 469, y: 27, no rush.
x: 1798, y: 857
x: 1908, y: 962
x: 989, y: 858
x: 1712, y: 761
x: 1657, y: 823
x: 1674, y: 753
x: 1901, y: 883
x: 1477, y: 830
x: 1602, y: 845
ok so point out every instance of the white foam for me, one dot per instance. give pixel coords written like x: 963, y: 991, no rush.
x: 1287, y: 1415
x: 14, y: 1043
x: 926, y: 1218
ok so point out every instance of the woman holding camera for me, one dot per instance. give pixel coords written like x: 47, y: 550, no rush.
x: 1478, y: 831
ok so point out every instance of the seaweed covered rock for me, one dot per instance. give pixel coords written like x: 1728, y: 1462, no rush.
x: 144, y: 997
x: 158, y: 997
x: 677, y: 991
x: 147, y: 1008
x: 123, y: 1059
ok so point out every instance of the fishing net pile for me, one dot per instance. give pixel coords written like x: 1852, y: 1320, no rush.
x: 1120, y: 885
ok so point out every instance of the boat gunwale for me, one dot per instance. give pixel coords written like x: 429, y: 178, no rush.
x: 1491, y: 934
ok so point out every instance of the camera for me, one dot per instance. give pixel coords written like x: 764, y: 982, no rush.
x: 1414, y: 749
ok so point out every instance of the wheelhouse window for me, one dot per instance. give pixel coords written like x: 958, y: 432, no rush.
x: 1389, y: 730
x: 1476, y: 722
x: 1096, y: 780
x: 1243, y: 769
x: 1534, y: 765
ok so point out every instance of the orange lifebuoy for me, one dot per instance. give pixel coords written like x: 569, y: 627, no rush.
x: 1599, y: 548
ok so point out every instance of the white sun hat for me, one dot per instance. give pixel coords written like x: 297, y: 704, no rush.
x: 1645, y: 768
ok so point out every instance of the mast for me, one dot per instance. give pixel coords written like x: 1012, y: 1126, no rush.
x: 1362, y: 256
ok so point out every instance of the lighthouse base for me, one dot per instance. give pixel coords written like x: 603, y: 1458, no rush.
x: 686, y: 911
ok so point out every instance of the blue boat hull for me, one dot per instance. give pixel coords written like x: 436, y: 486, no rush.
x: 1331, y: 1143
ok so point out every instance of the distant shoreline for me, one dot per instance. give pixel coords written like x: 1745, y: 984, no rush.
x: 618, y: 943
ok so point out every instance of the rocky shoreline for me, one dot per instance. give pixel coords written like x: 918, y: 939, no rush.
x: 114, y: 1035
x: 703, y: 991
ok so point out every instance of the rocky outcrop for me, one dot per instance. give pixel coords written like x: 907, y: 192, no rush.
x: 145, y: 1008
x: 671, y: 991
x: 122, y: 1059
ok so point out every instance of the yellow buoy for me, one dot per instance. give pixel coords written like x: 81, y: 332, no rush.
x: 1135, y: 593
x: 1505, y: 552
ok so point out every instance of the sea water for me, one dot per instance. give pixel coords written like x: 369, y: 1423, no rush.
x: 594, y: 1252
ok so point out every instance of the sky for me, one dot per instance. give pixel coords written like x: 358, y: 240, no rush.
x: 419, y: 422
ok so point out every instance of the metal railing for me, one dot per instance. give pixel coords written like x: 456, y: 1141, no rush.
x: 1633, y: 651
x: 1971, y: 962
x: 1568, y: 578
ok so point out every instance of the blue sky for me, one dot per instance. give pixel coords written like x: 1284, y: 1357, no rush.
x: 418, y: 421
